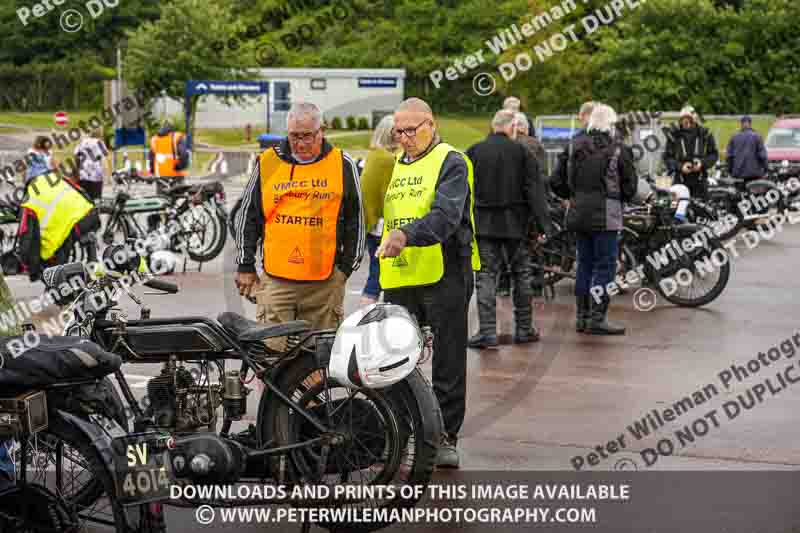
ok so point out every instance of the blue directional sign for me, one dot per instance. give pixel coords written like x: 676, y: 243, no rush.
x: 377, y: 82
x: 194, y: 87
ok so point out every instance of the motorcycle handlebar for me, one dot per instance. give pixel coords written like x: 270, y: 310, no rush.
x: 161, y: 285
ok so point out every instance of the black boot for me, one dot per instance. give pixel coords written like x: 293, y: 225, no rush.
x: 598, y: 324
x: 583, y: 306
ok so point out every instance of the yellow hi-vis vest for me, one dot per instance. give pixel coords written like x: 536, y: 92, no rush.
x: 410, y: 196
x: 58, y: 207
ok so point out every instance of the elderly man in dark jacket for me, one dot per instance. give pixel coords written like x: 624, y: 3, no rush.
x: 690, y: 152
x: 746, y: 154
x: 599, y: 179
x: 508, y: 190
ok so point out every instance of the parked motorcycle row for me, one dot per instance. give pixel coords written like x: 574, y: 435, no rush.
x: 651, y: 229
x: 178, y: 220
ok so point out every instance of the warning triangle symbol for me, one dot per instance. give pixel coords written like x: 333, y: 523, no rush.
x: 296, y: 257
x: 400, y: 261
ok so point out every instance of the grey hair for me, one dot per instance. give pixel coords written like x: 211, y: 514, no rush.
x: 382, y: 136
x: 414, y: 105
x: 587, y: 108
x: 502, y: 119
x: 511, y: 103
x: 301, y: 110
x: 521, y: 120
x: 603, y: 118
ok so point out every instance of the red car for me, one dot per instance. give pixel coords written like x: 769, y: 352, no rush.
x: 783, y: 146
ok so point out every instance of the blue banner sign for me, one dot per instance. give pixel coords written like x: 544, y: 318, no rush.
x: 231, y: 87
x: 377, y: 82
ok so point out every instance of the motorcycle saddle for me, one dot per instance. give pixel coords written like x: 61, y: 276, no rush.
x: 245, y: 330
x: 54, y: 360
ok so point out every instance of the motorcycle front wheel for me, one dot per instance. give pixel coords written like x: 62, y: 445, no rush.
x: 369, y: 461
x: 698, y: 278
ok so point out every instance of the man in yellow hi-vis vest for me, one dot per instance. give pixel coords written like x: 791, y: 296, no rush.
x: 428, y: 254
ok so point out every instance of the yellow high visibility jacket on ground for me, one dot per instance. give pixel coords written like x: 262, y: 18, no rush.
x: 409, y: 197
x: 58, y: 207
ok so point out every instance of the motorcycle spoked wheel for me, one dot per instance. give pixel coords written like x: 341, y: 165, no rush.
x: 626, y: 262
x: 703, y: 288
x: 558, y: 254
x: 206, y: 238
x: 11, y: 264
x: 415, y: 409
x: 90, y: 502
x: 32, y: 508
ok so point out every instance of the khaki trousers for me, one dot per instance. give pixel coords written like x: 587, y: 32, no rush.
x: 319, y: 302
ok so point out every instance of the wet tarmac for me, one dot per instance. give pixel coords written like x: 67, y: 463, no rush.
x: 548, y: 406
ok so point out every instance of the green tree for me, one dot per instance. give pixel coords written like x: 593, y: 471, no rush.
x: 180, y: 46
x: 721, y: 60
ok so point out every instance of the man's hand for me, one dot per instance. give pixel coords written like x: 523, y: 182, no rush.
x: 393, y: 244
x: 246, y: 282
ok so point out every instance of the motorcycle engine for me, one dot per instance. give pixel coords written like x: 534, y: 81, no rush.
x: 177, y: 402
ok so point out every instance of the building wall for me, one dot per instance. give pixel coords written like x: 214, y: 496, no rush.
x: 342, y: 97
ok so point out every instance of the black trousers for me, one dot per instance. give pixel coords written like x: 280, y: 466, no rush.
x: 93, y: 188
x: 494, y: 253
x: 444, y: 307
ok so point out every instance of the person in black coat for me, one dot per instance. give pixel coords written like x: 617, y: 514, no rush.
x: 690, y: 152
x: 508, y: 192
x: 600, y: 176
x: 746, y: 154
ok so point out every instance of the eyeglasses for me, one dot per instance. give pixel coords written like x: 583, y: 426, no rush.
x: 408, y: 132
x: 305, y: 137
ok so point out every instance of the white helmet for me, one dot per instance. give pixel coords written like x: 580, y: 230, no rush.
x: 376, y: 347
x: 163, y: 262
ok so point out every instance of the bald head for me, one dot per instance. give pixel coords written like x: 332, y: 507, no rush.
x: 415, y: 105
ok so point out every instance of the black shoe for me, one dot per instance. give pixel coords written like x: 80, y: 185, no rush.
x: 598, y: 324
x: 583, y: 306
x: 482, y: 342
x: 447, y: 455
x: 526, y: 337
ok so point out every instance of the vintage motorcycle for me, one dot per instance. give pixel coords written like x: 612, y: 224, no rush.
x: 733, y: 204
x: 310, y: 428
x: 657, y: 253
x: 650, y: 231
x: 190, y: 218
x: 55, y: 399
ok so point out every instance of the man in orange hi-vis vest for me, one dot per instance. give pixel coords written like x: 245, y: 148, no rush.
x: 303, y: 201
x: 169, y: 155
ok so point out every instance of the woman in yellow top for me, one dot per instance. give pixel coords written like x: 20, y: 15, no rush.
x: 374, y: 181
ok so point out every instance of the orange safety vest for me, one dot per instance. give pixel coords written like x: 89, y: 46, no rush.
x: 165, y: 149
x: 301, y: 209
